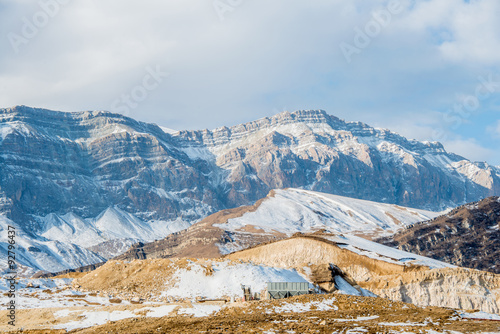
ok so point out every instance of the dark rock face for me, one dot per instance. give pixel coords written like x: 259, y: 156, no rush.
x: 468, y: 236
x: 55, y: 162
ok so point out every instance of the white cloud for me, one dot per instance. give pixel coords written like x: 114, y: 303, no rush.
x: 265, y: 55
x: 472, y: 150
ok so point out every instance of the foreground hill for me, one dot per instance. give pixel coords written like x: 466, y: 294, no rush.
x: 278, y: 215
x: 384, y: 271
x: 468, y: 236
x: 337, y: 313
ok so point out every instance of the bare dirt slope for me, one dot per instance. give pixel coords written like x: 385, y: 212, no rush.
x: 301, y: 250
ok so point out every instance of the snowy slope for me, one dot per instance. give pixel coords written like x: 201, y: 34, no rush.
x: 42, y: 254
x: 295, y: 210
x: 63, y: 241
x: 112, y: 224
x: 226, y: 279
x: 380, y: 252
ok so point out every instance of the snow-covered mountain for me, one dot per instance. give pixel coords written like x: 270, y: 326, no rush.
x: 59, y: 172
x: 281, y: 214
x: 313, y: 150
x: 291, y: 210
x: 70, y: 241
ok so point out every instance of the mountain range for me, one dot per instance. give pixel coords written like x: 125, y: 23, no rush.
x: 84, y: 186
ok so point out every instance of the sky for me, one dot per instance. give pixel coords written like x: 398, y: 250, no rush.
x: 429, y: 70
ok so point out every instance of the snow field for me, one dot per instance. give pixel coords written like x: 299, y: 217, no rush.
x: 225, y: 280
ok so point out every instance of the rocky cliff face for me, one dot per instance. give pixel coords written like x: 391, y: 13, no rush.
x: 468, y: 236
x: 460, y: 288
x: 55, y: 164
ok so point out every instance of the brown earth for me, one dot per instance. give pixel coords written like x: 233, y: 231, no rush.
x: 302, y: 250
x: 259, y: 316
x: 319, y: 259
x: 144, y: 279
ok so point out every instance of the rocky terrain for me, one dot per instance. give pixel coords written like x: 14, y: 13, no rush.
x: 468, y: 236
x: 314, y: 314
x: 63, y: 172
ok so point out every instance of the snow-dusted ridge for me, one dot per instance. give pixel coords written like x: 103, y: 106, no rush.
x: 380, y: 252
x: 295, y: 210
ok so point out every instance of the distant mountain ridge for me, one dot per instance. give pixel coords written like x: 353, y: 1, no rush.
x: 55, y: 164
x: 313, y: 150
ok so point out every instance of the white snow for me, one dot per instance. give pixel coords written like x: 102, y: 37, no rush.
x: 37, y: 254
x: 345, y: 287
x: 63, y: 240
x: 111, y: 224
x: 168, y: 130
x: 158, y: 312
x: 378, y: 251
x: 356, y: 319
x: 96, y: 318
x: 324, y: 305
x: 402, y: 324
x: 200, y: 310
x: 296, y: 210
x: 480, y: 315
x: 226, y: 280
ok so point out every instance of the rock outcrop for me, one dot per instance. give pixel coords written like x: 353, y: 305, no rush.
x: 460, y: 288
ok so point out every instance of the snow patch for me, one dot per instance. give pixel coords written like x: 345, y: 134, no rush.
x: 480, y: 315
x: 380, y: 252
x: 324, y: 305
x: 225, y: 280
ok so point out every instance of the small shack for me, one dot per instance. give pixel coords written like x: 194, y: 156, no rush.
x: 278, y: 290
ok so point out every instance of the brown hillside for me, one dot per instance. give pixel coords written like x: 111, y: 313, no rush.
x: 468, y: 236
x: 300, y: 251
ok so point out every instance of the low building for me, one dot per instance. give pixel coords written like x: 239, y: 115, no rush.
x: 278, y: 290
